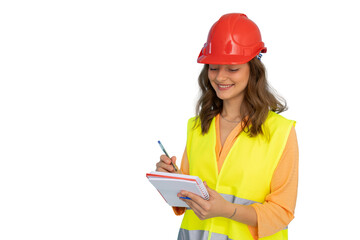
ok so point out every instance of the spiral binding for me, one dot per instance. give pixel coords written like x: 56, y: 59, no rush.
x: 203, y: 189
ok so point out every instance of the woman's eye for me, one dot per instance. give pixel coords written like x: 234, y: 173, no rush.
x: 233, y: 70
x: 213, y: 69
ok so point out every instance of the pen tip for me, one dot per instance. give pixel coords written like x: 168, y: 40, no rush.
x: 158, y: 141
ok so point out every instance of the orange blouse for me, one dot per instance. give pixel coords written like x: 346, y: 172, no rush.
x: 278, y: 209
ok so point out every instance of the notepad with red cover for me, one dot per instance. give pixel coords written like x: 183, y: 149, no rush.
x: 170, y: 184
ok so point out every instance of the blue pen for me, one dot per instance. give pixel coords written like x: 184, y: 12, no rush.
x: 186, y: 198
x: 162, y: 147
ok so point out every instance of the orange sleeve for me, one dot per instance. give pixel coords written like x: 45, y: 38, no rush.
x: 184, y: 168
x: 278, y: 209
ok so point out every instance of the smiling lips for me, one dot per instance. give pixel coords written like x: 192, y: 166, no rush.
x: 224, y: 86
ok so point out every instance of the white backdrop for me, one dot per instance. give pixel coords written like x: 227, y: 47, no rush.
x: 88, y: 87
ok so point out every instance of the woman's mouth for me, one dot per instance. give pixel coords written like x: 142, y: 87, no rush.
x: 224, y: 86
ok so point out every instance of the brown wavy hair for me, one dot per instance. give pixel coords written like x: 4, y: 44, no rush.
x: 258, y: 100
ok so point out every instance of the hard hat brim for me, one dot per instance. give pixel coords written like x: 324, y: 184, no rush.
x: 227, y: 59
x: 231, y: 60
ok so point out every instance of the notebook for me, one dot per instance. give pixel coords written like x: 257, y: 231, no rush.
x: 170, y: 184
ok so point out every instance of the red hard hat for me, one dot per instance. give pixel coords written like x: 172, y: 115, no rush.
x: 233, y: 39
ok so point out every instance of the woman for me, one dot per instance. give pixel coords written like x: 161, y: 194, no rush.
x: 238, y: 144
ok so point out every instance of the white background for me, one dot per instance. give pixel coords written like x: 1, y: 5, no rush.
x: 89, y: 87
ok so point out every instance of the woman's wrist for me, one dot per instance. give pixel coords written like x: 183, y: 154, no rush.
x: 243, y: 214
x: 233, y: 213
x: 229, y: 210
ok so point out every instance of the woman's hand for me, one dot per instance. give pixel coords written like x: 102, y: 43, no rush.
x: 216, y: 206
x: 164, y: 165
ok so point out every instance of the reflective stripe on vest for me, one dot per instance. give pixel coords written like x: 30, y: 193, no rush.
x: 204, y: 235
x: 245, y: 176
x: 200, y: 235
x: 233, y: 199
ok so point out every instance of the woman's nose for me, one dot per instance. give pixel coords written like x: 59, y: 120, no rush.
x: 221, y: 75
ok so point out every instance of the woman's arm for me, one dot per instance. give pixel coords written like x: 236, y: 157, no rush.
x: 278, y: 209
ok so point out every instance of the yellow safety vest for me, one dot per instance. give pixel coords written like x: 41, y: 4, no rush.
x: 245, y: 176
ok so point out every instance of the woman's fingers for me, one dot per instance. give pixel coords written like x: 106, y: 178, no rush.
x: 165, y: 159
x: 164, y: 165
x: 198, y: 210
x: 199, y: 205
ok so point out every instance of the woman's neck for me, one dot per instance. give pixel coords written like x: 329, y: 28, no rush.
x: 231, y: 110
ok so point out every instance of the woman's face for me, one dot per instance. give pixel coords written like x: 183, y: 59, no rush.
x: 229, y: 81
